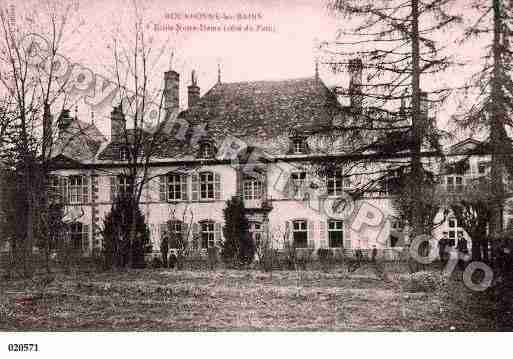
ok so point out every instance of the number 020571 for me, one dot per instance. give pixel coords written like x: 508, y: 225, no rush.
x: 22, y: 348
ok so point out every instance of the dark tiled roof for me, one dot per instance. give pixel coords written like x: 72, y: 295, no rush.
x: 264, y: 109
x: 79, y: 141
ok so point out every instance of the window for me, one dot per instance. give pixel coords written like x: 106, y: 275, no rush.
x: 252, y: 189
x: 78, y: 236
x: 123, y: 186
x: 78, y: 189
x: 336, y: 234
x: 452, y: 234
x: 452, y: 223
x: 393, y: 241
x: 124, y: 153
x: 459, y: 184
x: 481, y: 168
x: 175, y: 233
x: 56, y: 189
x: 455, y: 183
x: 206, y: 185
x: 298, y: 184
x: 336, y: 183
x: 450, y: 184
x: 174, y: 187
x: 206, y: 150
x: 255, y: 232
x: 299, y: 146
x: 300, y: 234
x: 207, y: 235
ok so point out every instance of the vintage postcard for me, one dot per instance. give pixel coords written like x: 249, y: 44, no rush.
x: 257, y: 165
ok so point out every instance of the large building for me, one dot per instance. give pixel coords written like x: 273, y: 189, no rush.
x: 278, y: 132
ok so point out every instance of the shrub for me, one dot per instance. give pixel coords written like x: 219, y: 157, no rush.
x: 118, y: 250
x: 237, y: 247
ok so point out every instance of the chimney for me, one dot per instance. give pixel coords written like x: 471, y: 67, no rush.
x: 47, y: 130
x: 355, y: 84
x: 193, y: 90
x: 117, y: 124
x: 171, y: 91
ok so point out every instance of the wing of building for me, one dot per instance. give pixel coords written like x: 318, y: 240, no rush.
x: 264, y: 141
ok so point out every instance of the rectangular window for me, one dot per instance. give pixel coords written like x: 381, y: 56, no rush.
x: 123, y: 186
x: 299, y: 146
x: 207, y: 235
x: 300, y: 234
x: 452, y: 234
x: 252, y: 189
x: 175, y: 233
x: 336, y: 234
x: 174, y: 187
x: 481, y: 168
x: 78, y: 189
x: 336, y: 183
x: 206, y: 185
x: 450, y: 184
x: 452, y: 223
x: 459, y: 184
x: 298, y: 183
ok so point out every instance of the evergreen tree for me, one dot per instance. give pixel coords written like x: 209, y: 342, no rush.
x: 237, y: 247
x: 119, y: 250
x: 395, y: 40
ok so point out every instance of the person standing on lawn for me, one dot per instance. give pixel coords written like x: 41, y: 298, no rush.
x: 164, y: 249
x: 462, y: 248
x: 442, y: 248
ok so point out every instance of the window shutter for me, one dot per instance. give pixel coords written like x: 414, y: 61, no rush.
x: 194, y: 186
x: 183, y: 182
x: 112, y: 180
x: 195, y: 235
x: 288, y: 231
x: 218, y: 230
x: 162, y: 188
x: 85, y: 237
x: 85, y: 189
x: 322, y: 230
x: 347, y: 230
x: 63, y: 183
x: 311, y: 232
x: 217, y: 186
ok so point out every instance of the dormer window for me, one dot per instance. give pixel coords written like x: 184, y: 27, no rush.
x: 206, y: 150
x: 124, y: 153
x: 299, y: 146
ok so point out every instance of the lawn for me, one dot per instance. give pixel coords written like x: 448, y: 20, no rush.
x: 169, y: 300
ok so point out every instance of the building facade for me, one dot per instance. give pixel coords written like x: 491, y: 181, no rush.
x: 264, y: 141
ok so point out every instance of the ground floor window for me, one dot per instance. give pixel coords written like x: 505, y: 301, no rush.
x: 175, y: 233
x: 207, y: 234
x: 300, y: 233
x: 336, y: 234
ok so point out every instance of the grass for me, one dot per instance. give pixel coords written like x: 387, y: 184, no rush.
x: 168, y: 300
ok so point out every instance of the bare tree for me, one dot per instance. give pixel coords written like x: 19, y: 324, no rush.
x: 31, y: 86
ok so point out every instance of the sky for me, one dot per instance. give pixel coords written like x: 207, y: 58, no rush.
x: 281, y: 45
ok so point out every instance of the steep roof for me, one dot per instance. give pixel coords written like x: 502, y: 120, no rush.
x: 79, y: 141
x: 264, y: 109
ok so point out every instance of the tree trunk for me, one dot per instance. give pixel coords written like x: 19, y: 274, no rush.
x: 497, y: 104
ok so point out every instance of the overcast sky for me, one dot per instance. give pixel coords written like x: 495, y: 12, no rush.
x: 288, y: 51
